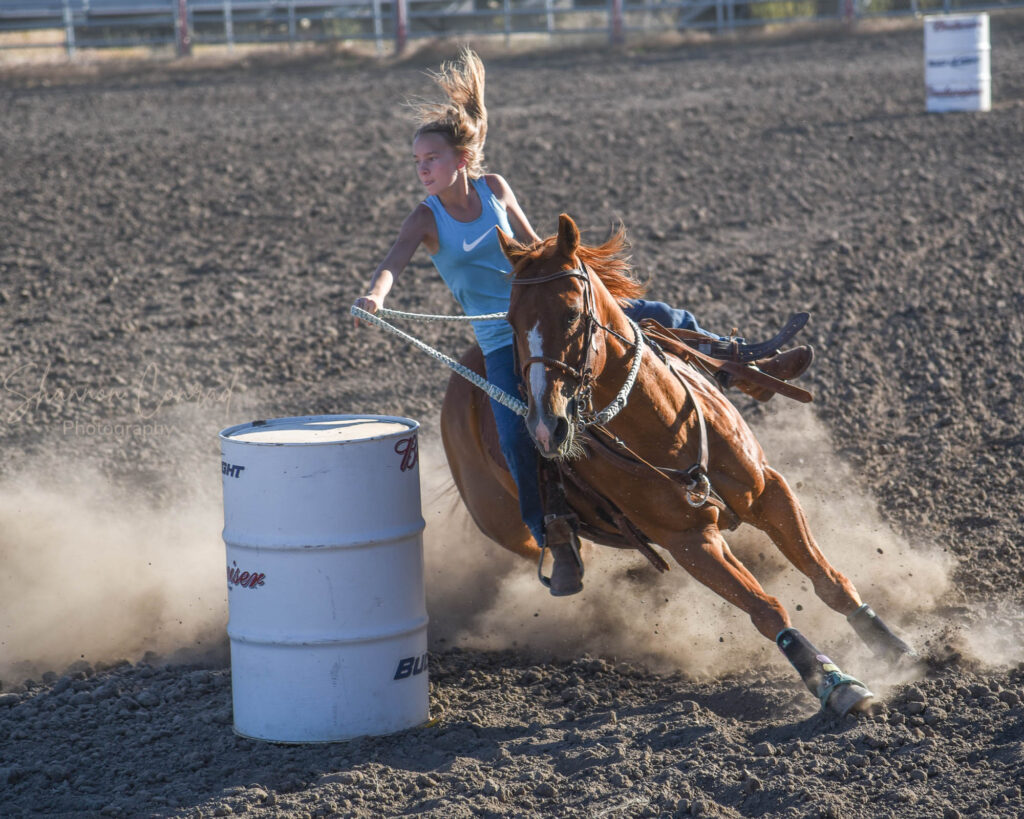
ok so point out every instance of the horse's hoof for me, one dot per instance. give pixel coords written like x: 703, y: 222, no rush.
x: 841, y: 694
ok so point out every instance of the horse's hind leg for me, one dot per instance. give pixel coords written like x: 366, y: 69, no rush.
x: 486, y: 489
x: 777, y: 513
x: 492, y: 504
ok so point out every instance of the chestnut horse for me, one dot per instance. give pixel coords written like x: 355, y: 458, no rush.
x: 580, y: 346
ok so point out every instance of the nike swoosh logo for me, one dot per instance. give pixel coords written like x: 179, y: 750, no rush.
x: 468, y: 246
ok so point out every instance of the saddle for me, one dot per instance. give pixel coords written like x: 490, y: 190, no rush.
x: 759, y: 370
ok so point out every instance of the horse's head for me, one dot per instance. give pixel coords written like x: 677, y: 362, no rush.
x: 554, y: 316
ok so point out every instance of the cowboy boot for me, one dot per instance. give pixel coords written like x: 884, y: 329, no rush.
x: 784, y: 366
x: 788, y: 365
x: 567, y: 572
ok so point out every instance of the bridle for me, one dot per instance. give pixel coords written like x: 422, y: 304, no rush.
x: 697, y: 485
x: 582, y: 397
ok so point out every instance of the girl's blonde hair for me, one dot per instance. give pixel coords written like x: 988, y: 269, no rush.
x: 462, y: 120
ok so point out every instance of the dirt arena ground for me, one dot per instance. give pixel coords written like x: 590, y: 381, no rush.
x: 180, y: 245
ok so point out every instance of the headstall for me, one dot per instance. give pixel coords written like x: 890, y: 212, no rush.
x: 583, y: 375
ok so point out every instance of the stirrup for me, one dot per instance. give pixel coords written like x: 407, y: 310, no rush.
x: 544, y: 581
x: 570, y: 521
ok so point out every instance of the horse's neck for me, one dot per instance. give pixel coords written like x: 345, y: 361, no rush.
x: 618, y: 354
x: 656, y: 396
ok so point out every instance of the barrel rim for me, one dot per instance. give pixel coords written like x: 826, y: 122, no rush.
x: 346, y: 738
x: 409, y: 627
x: 412, y: 426
x: 942, y: 15
x: 400, y: 535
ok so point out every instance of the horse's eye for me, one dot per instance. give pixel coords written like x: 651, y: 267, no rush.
x: 572, y: 318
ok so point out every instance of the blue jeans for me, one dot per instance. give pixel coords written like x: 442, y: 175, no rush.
x: 516, y: 444
x: 666, y: 316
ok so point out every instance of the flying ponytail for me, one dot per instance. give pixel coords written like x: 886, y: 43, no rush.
x: 462, y: 120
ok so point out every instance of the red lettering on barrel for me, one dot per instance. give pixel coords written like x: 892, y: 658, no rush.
x: 409, y: 450
x: 957, y: 25
x: 247, y: 580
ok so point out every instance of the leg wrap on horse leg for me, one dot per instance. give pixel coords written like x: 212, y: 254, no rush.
x: 878, y: 637
x: 821, y: 676
x: 803, y: 656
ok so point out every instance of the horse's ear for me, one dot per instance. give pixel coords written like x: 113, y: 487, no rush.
x: 568, y: 235
x: 512, y: 249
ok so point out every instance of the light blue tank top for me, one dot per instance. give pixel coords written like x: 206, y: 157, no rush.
x: 470, y: 261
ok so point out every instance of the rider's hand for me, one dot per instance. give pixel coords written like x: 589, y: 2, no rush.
x: 371, y: 304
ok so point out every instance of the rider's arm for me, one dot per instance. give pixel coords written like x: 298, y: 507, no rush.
x: 517, y: 220
x: 417, y: 228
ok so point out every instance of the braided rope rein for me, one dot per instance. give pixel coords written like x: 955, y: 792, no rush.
x: 619, y: 402
x: 388, y: 313
x: 493, y: 391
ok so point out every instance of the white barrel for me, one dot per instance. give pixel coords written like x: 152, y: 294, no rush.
x: 957, y: 62
x: 327, y: 611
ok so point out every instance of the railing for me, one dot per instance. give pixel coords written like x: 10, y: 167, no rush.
x: 184, y: 23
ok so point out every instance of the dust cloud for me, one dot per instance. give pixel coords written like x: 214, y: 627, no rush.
x: 97, y: 568
x: 480, y: 597
x: 99, y: 572
x: 995, y: 639
x: 94, y: 573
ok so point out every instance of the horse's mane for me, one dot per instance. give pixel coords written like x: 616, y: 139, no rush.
x: 609, y: 261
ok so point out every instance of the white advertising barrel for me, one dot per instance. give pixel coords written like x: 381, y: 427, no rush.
x: 957, y: 62
x: 327, y: 611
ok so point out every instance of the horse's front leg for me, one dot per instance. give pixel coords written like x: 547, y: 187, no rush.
x: 705, y: 555
x: 778, y: 513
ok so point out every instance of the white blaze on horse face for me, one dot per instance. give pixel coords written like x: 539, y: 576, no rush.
x: 538, y: 375
x: 537, y: 386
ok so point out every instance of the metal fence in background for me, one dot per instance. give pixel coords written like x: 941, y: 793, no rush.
x: 390, y: 23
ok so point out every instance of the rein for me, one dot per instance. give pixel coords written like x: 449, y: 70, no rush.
x: 492, y: 390
x: 584, y: 418
x: 698, y: 489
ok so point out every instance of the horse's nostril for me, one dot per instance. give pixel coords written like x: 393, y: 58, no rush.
x: 561, y: 432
